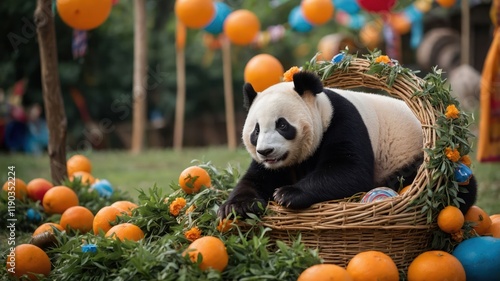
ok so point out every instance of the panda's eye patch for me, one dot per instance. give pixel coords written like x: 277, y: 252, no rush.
x: 255, y: 135
x: 285, y: 129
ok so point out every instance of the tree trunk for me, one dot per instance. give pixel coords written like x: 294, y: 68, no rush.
x: 140, y: 78
x: 53, y: 102
x: 228, y: 94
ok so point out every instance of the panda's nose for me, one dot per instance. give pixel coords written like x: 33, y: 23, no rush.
x: 265, y: 152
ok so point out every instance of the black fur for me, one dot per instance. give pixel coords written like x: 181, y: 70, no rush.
x: 285, y: 129
x: 307, y: 81
x: 341, y: 166
x: 255, y: 135
x: 249, y: 95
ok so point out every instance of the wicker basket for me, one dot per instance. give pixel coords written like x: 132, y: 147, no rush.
x: 340, y: 229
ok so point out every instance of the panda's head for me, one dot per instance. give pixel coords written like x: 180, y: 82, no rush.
x: 286, y: 122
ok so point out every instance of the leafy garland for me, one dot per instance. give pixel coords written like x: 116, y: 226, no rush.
x: 452, y: 146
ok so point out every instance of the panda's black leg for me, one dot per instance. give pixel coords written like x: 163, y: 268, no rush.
x: 292, y: 197
x: 470, y: 196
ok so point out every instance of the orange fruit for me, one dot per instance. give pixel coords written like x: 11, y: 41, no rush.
x: 78, y: 163
x: 28, y: 259
x: 83, y: 14
x: 103, y: 218
x: 450, y: 219
x: 263, y: 71
x: 404, y: 189
x: 212, y: 250
x: 480, y: 219
x: 37, y: 188
x: 193, y: 178
x: 317, y: 12
x: 126, y: 231
x: 77, y: 218
x: 47, y: 227
x: 372, y: 265
x: 85, y: 177
x: 495, y: 217
x: 17, y: 186
x: 125, y: 206
x: 494, y: 229
x: 58, y: 199
x: 241, y: 27
x: 436, y: 265
x: 325, y: 272
x: 195, y: 13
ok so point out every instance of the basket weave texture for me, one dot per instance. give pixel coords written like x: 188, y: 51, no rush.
x: 341, y: 229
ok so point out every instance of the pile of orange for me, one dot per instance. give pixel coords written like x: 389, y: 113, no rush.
x: 125, y: 231
x: 193, y: 178
x: 30, y: 260
x: 212, y: 250
x: 18, y: 186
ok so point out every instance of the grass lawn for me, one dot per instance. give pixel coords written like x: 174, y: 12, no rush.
x: 131, y: 172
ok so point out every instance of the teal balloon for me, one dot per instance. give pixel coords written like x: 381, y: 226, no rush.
x: 297, y: 21
x: 216, y: 26
x: 348, y: 6
x: 480, y: 257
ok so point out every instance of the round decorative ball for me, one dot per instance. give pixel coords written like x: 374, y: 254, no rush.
x: 462, y: 174
x: 104, y: 188
x: 195, y: 13
x: 297, y: 21
x: 378, y: 194
x: 84, y: 14
x: 338, y: 58
x: 241, y: 27
x: 349, y: 6
x: 216, y: 26
x: 317, y: 12
x: 446, y: 3
x: 376, y: 6
x: 480, y: 257
x: 263, y: 71
x: 89, y: 248
x: 33, y: 215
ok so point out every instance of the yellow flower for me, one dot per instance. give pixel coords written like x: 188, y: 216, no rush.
x: 383, y: 59
x: 193, y: 234
x: 288, y: 75
x: 452, y: 154
x: 224, y: 225
x: 190, y: 209
x: 452, y: 112
x: 466, y: 160
x: 177, y: 205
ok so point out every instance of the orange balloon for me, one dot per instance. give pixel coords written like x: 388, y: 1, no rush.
x: 241, y: 27
x: 195, y: 13
x: 84, y: 14
x: 400, y: 23
x: 446, y: 3
x: 263, y: 71
x: 317, y: 12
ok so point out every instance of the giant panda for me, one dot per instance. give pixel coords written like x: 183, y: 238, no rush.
x: 311, y: 144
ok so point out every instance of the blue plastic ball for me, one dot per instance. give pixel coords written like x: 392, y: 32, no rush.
x: 89, y: 248
x: 104, y: 188
x: 216, y: 26
x: 33, y: 215
x: 462, y: 174
x: 480, y: 257
x: 338, y: 58
x: 297, y: 21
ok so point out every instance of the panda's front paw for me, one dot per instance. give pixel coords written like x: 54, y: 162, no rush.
x: 241, y: 208
x: 291, y: 197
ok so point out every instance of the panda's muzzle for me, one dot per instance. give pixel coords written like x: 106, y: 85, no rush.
x: 267, y: 156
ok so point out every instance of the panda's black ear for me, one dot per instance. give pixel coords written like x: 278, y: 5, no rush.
x: 307, y: 81
x: 249, y: 95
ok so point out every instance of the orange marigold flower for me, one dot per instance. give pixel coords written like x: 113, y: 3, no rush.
x: 190, y: 209
x: 466, y: 160
x: 288, y: 75
x: 452, y: 112
x: 177, y: 205
x: 193, y: 234
x: 383, y: 59
x: 452, y: 154
x: 224, y: 225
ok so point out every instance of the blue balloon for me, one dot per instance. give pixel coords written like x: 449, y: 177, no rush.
x: 89, y: 248
x: 338, y: 58
x: 104, y: 188
x: 348, y: 6
x: 480, y: 258
x: 217, y: 24
x: 297, y: 21
x: 462, y: 174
